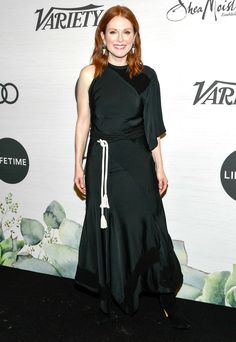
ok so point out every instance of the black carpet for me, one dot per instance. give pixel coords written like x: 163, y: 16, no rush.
x: 36, y: 307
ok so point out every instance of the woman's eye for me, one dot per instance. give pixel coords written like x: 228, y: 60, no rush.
x: 112, y: 32
x: 127, y: 32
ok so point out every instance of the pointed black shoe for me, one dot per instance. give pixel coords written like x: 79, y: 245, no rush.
x: 172, y: 313
x: 102, y: 318
x: 105, y: 313
x: 178, y: 321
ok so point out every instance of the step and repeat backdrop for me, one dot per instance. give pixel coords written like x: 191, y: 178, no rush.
x: 44, y: 45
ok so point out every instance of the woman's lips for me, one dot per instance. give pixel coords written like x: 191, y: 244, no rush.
x: 119, y: 47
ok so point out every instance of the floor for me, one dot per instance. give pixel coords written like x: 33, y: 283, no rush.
x: 37, y: 307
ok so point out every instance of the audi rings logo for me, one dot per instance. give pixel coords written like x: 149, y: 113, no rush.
x: 8, y: 93
x: 14, y: 161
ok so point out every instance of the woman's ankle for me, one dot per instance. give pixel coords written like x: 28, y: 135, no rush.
x: 168, y: 302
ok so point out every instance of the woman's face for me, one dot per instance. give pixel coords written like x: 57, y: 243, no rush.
x: 118, y: 38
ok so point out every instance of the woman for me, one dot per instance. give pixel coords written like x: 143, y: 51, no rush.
x: 125, y: 247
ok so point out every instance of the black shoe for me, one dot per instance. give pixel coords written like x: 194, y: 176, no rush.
x: 105, y: 313
x: 105, y: 305
x: 178, y: 321
x: 172, y: 313
x: 103, y: 318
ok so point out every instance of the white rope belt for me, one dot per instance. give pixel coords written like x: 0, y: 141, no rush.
x: 104, y: 197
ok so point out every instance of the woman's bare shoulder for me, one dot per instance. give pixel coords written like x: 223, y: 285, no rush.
x: 87, y: 72
x: 86, y: 77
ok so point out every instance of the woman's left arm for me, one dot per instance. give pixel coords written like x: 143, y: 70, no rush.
x: 157, y: 157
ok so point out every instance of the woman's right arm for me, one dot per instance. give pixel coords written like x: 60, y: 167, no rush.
x: 82, y: 124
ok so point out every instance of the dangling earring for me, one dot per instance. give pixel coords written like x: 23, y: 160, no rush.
x: 104, y: 49
x: 133, y: 49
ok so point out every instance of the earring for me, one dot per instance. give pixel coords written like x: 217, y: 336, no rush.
x: 104, y: 49
x: 133, y: 49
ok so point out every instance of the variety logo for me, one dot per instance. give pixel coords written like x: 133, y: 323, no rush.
x: 218, y: 92
x: 14, y: 161
x: 65, y: 18
x: 215, y: 8
x: 228, y: 175
x: 8, y: 93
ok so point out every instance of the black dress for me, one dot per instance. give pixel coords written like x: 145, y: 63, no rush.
x: 125, y: 247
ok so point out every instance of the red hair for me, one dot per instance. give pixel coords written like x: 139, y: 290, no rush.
x: 100, y: 60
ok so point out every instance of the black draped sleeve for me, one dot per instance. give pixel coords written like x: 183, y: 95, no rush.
x: 152, y: 114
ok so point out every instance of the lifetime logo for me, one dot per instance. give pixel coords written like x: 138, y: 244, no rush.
x: 219, y: 92
x: 14, y: 161
x: 65, y: 18
x: 8, y: 93
x: 228, y: 175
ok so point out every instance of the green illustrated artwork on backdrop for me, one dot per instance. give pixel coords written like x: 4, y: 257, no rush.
x: 51, y: 247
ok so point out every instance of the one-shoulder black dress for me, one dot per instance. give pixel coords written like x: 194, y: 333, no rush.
x: 125, y: 247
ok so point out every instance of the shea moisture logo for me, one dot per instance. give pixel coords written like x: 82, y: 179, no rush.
x: 213, y: 8
x: 217, y: 93
x: 65, y: 18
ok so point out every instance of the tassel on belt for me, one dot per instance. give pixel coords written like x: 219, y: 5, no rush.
x: 104, y: 197
x: 103, y: 139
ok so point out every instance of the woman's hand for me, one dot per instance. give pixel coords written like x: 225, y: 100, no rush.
x: 162, y: 180
x: 161, y: 177
x: 79, y: 181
